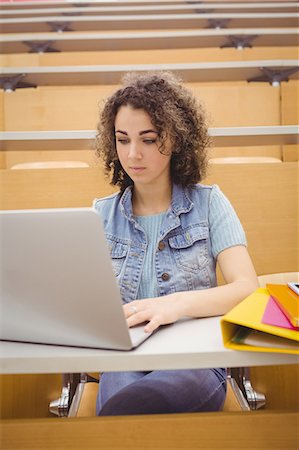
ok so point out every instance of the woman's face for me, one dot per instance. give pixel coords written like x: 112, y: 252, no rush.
x: 137, y: 145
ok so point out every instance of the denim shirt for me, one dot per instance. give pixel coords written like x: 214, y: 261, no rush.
x: 183, y: 259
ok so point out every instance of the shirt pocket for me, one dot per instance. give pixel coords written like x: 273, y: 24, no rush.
x: 118, y: 253
x: 190, y: 248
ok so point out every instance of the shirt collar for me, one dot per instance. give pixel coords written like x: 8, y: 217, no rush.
x: 180, y: 202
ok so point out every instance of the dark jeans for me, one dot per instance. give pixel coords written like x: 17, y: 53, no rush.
x: 161, y: 391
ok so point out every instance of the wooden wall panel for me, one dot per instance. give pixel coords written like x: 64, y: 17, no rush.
x: 242, y: 104
x: 290, y: 102
x: 158, y: 56
x: 3, y: 164
x: 2, y: 124
x: 280, y: 385
x: 76, y: 107
x: 28, y: 396
x: 54, y: 108
x: 234, y: 431
x: 266, y: 202
x: 51, y: 188
x: 20, y: 59
x: 290, y: 153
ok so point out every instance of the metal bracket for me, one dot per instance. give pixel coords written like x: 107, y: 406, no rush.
x: 255, y: 400
x: 72, y: 389
x: 237, y: 392
x: 60, y: 406
x: 274, y: 76
x: 13, y: 82
x: 40, y: 46
x: 59, y: 26
x: 239, y: 42
x: 218, y: 23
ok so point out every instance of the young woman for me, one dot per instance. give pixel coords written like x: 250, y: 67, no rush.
x: 166, y: 233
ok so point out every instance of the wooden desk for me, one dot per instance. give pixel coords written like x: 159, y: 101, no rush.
x: 189, y: 344
x: 195, y: 343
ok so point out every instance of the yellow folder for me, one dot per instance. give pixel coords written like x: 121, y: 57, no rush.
x: 242, y: 328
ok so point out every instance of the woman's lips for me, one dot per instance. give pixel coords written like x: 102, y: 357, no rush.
x: 137, y: 169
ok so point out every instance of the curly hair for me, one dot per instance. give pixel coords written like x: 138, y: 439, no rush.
x: 175, y: 113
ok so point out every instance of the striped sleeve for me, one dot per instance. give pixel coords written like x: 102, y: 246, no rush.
x: 225, y: 227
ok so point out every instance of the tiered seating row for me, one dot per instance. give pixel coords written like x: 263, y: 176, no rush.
x: 174, y: 7
x: 146, y: 39
x: 57, y: 108
x: 153, y: 21
x: 190, y: 72
x: 25, y: 4
x: 83, y: 139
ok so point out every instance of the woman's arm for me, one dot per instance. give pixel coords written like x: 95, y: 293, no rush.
x: 240, y: 277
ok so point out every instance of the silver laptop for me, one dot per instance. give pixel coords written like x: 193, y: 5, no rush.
x: 57, y: 281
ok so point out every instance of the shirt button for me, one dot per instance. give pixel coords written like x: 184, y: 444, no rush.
x: 161, y: 245
x: 165, y: 276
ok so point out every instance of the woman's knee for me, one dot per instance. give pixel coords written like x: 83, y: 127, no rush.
x: 169, y: 392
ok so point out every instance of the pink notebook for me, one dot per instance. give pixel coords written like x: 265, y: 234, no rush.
x: 273, y: 315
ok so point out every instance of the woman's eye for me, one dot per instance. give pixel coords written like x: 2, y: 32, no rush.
x: 149, y: 141
x: 122, y: 141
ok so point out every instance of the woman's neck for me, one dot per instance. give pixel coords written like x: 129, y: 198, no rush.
x: 148, y: 202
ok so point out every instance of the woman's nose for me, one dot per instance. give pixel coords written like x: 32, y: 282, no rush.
x: 134, y: 151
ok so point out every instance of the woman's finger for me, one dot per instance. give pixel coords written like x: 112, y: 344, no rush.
x: 153, y: 324
x: 139, y: 317
x: 130, y: 309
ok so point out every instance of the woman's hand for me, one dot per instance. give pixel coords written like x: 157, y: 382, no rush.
x: 155, y: 311
x: 239, y: 274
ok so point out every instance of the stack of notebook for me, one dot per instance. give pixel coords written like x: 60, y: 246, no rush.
x: 266, y: 321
